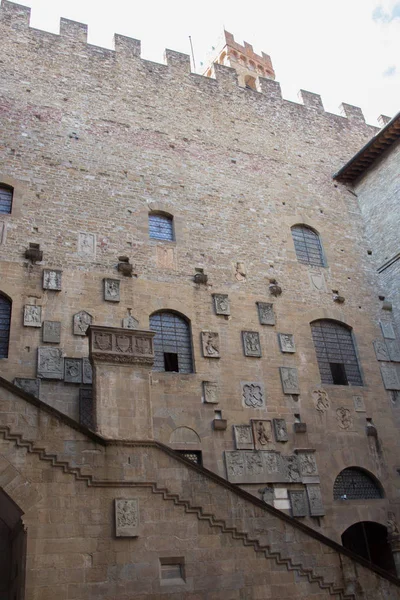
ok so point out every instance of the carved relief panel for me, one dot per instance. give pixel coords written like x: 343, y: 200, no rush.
x: 262, y: 433
x: 210, y: 344
x: 51, y: 332
x: 390, y: 377
x: 266, y: 313
x: 31, y: 386
x: 111, y: 290
x: 50, y: 363
x: 298, y: 503
x: 87, y: 375
x: 52, y: 279
x: 317, y: 281
x: 124, y: 346
x: 280, y: 430
x: 32, y: 315
x: 394, y: 350
x: 221, y: 304
x: 253, y: 394
x: 126, y: 517
x: 243, y: 437
x: 381, y: 350
x: 130, y: 322
x: 81, y: 322
x: 251, y: 343
x: 286, y: 342
x: 387, y: 330
x: 72, y: 370
x: 307, y: 465
x: 321, y: 400
x: 290, y: 380
x: 87, y: 244
x: 359, y: 405
x: 315, y: 500
x: 210, y: 392
x: 344, y: 418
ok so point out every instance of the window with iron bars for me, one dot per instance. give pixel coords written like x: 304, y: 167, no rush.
x: 161, y: 227
x: 172, y: 343
x: 308, y: 246
x: 336, y: 354
x: 355, y: 484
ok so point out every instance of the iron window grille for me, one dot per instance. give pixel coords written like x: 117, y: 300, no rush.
x: 172, y: 343
x: 5, y: 324
x: 308, y: 246
x: 355, y: 484
x: 192, y: 455
x: 161, y: 227
x: 6, y: 197
x: 336, y: 354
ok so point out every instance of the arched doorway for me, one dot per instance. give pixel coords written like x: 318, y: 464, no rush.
x: 12, y: 550
x: 369, y: 540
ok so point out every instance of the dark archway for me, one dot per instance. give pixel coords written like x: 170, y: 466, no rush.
x: 12, y: 550
x: 369, y: 540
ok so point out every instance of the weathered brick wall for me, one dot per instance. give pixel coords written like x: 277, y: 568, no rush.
x: 378, y: 194
x: 93, y: 139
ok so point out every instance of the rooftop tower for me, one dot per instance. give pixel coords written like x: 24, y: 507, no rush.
x: 248, y: 65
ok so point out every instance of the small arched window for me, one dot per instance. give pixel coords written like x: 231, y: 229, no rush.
x: 356, y: 484
x: 161, y: 227
x: 336, y: 353
x: 172, y: 343
x: 6, y: 197
x: 308, y: 246
x: 5, y: 322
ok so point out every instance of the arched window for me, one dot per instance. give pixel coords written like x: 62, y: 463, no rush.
x: 161, y: 227
x: 356, y: 484
x: 336, y: 354
x: 5, y: 321
x: 172, y: 343
x: 6, y: 196
x: 308, y: 246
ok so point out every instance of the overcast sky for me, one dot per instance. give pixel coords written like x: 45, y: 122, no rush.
x: 347, y: 50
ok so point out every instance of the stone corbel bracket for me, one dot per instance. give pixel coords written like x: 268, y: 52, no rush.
x: 120, y: 346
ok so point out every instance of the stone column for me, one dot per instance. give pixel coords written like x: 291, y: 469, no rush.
x: 122, y: 361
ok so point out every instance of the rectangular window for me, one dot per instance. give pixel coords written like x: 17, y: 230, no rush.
x: 171, y: 362
x: 172, y: 570
x: 338, y: 374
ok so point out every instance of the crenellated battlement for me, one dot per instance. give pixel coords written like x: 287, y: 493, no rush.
x: 177, y: 64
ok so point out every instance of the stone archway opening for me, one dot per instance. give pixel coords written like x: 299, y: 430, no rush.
x: 12, y: 550
x: 370, y: 541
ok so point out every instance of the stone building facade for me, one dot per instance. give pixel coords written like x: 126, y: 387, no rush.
x: 182, y: 280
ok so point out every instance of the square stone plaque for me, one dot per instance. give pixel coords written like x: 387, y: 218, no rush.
x: 51, y: 332
x: 280, y: 430
x: 126, y: 517
x: 290, y: 380
x: 73, y: 370
x: 387, y: 330
x: 251, y: 343
x: 31, y: 386
x: 298, y: 503
x: 359, y: 405
x: 210, y: 344
x: 315, y: 500
x: 87, y: 375
x: 286, y: 342
x: 50, y: 363
x: 243, y: 437
x: 307, y: 464
x: 111, y: 290
x: 87, y: 244
x: 221, y: 304
x: 381, y: 351
x: 266, y: 313
x: 52, y: 279
x: 32, y: 315
x: 262, y: 433
x: 210, y: 392
x: 394, y: 350
x: 253, y: 395
x: 390, y: 377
